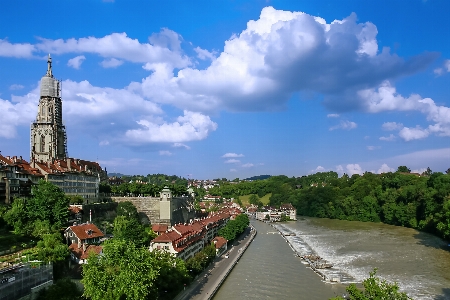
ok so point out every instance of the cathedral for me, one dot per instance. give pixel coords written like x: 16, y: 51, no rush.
x: 48, y: 134
x: 49, y: 159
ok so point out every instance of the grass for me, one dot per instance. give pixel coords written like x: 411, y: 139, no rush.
x: 264, y: 200
x: 8, y: 240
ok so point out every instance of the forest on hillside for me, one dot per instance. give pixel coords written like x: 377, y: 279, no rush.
x: 398, y: 198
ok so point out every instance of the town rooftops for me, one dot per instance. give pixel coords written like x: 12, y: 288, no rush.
x: 86, y: 231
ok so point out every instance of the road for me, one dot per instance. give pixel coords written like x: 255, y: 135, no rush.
x: 208, y: 282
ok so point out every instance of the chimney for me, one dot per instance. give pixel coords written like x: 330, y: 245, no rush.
x: 84, y: 247
x: 68, y: 163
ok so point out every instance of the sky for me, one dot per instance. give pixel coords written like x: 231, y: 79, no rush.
x: 233, y: 89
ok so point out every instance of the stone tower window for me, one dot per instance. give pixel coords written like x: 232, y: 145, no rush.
x: 42, y: 143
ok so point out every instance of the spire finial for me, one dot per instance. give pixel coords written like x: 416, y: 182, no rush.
x: 49, y: 66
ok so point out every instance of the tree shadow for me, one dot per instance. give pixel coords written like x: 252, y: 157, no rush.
x: 445, y: 295
x: 429, y: 240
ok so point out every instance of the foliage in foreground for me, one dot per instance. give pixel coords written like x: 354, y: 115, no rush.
x: 124, y: 271
x: 64, y: 289
x: 45, y: 212
x: 375, y: 289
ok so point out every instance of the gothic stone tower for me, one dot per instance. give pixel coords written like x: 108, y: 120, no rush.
x: 48, y: 134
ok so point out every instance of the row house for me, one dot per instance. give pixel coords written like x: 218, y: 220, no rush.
x: 186, y: 240
x: 16, y: 178
x: 275, y: 214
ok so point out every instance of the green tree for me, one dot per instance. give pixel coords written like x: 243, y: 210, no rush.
x: 63, y: 289
x: 403, y: 169
x: 129, y: 229
x: 48, y: 207
x: 375, y: 289
x: 127, y: 209
x: 122, y: 271
x: 52, y: 249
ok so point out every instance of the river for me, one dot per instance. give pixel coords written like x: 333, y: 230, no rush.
x: 418, y: 262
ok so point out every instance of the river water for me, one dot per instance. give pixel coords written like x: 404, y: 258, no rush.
x: 269, y: 269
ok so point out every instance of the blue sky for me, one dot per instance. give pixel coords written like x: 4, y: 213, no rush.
x: 211, y: 89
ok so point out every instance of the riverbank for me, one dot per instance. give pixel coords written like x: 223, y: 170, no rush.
x: 314, y: 261
x: 208, y: 283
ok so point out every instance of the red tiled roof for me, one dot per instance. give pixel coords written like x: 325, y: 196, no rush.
x: 81, y: 231
x: 159, y: 227
x: 219, y: 242
x: 74, y: 209
x: 80, y: 254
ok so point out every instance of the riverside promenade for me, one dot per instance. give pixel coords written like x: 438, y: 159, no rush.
x: 209, y: 281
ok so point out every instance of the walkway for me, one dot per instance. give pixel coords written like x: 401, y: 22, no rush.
x: 208, y: 282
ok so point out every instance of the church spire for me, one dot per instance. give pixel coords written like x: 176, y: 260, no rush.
x: 49, y: 66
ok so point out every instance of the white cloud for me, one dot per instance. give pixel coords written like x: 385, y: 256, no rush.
x: 332, y: 115
x: 386, y: 98
x: 419, y: 171
x: 180, y: 145
x: 205, y: 54
x: 165, y: 153
x: 104, y: 143
x: 354, y: 169
x: 111, y: 63
x: 340, y: 170
x: 390, y: 126
x: 247, y: 165
x: 120, y: 46
x: 227, y: 155
x: 233, y: 170
x: 409, y: 134
x: 318, y: 169
x: 232, y: 161
x: 371, y: 148
x: 192, y: 126
x: 385, y: 169
x: 16, y: 50
x: 15, y: 87
x: 347, y: 125
x: 21, y: 111
x: 445, y: 68
x: 281, y: 53
x: 389, y: 138
x: 76, y: 61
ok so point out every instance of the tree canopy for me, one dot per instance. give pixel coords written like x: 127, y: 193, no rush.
x: 46, y: 211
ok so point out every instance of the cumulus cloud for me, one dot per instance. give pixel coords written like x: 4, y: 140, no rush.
x: 281, y: 53
x: 389, y: 138
x: 104, y: 143
x: 232, y: 161
x: 192, y: 126
x: 409, y: 134
x: 76, y: 61
x: 347, y: 125
x: 163, y: 47
x: 228, y: 155
x: 165, y: 153
x: 18, y: 50
x: 385, y: 169
x: 332, y: 115
x: 111, y: 63
x: 386, y: 98
x: 15, y: 87
x: 354, y: 169
x: 20, y: 111
x: 205, y: 54
x: 318, y: 169
x: 390, y: 126
x: 248, y: 165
